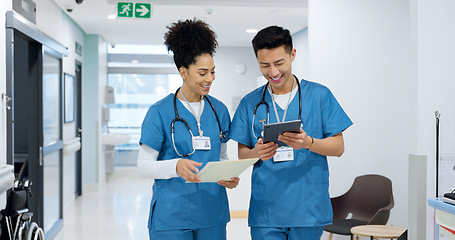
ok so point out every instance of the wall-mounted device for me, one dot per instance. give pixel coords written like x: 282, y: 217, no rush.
x: 26, y: 8
x: 109, y: 95
x: 105, y: 113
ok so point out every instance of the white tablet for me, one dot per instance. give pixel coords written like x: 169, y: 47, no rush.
x: 272, y: 130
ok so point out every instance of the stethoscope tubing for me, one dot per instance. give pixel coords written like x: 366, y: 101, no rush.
x: 267, y: 105
x: 178, y: 118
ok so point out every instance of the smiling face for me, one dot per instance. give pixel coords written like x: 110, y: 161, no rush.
x: 276, y: 66
x: 197, y: 78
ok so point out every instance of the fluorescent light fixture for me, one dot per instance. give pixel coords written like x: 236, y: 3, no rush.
x: 251, y: 30
x: 135, y: 61
x: 111, y: 16
x: 139, y: 49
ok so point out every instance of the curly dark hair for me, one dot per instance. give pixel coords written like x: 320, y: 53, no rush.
x: 272, y: 37
x: 189, y: 39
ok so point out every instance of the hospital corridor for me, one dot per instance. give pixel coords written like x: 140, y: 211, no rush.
x: 119, y: 210
x: 163, y: 119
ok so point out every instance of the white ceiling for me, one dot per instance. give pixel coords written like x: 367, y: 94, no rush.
x: 229, y: 18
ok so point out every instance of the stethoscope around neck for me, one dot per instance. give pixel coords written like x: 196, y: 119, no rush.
x: 178, y: 118
x: 267, y: 105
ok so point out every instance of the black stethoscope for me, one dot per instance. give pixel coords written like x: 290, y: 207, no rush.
x: 267, y: 105
x: 178, y: 118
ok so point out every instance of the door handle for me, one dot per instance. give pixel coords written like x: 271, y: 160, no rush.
x: 7, y: 101
x: 40, y: 156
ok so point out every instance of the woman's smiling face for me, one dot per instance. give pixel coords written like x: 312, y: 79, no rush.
x: 198, y: 77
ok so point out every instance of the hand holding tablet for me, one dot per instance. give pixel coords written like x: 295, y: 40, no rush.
x: 272, y: 130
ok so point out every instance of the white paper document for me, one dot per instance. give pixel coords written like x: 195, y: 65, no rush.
x: 225, y: 170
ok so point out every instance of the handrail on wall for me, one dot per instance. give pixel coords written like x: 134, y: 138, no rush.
x: 71, y: 146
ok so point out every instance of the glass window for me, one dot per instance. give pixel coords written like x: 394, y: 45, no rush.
x: 51, y: 99
x: 134, y: 94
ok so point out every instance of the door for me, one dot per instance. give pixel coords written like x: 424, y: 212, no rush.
x: 34, y: 140
x: 78, y: 119
x: 52, y: 146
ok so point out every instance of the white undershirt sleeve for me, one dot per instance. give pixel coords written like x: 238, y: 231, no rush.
x: 150, y: 167
x: 223, y: 152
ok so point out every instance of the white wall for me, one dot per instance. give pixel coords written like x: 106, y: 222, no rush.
x: 70, y: 34
x: 300, y: 66
x: 435, y: 37
x: 93, y: 81
x: 360, y: 50
x: 94, y: 78
x: 4, y: 6
x: 102, y: 82
x: 390, y: 64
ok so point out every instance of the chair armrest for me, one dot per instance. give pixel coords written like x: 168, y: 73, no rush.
x: 339, y: 207
x: 382, y: 216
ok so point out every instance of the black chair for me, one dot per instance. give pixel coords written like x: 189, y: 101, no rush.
x: 368, y: 201
x: 403, y: 236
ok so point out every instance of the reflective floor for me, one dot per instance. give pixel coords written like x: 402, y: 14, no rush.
x: 119, y: 210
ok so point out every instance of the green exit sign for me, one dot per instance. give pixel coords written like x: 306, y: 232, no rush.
x: 134, y: 10
x: 143, y: 10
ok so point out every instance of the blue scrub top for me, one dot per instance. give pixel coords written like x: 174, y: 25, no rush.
x: 176, y: 204
x: 291, y: 193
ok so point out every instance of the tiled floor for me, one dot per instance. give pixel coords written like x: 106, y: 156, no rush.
x: 119, y: 210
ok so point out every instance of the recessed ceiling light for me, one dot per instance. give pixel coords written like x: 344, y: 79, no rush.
x: 135, y: 61
x: 111, y: 16
x: 276, y: 11
x: 251, y: 30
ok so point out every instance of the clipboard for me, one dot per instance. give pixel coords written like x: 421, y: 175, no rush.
x: 272, y: 130
x: 224, y: 170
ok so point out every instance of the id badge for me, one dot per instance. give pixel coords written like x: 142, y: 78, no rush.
x: 284, y: 154
x: 201, y: 143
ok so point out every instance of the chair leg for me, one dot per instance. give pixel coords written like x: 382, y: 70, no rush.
x: 330, y: 236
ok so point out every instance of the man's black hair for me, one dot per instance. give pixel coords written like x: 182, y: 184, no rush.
x: 272, y: 37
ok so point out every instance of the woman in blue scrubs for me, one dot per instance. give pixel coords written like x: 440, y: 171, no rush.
x: 180, y: 134
x: 289, y: 194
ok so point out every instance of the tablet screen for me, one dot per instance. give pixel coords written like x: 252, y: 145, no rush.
x: 272, y: 130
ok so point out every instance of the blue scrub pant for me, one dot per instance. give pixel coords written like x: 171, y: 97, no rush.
x: 210, y: 233
x: 293, y: 233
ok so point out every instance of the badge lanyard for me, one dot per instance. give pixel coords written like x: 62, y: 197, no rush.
x: 262, y: 101
x: 198, y: 116
x: 287, y: 105
x: 283, y: 153
x: 200, y: 142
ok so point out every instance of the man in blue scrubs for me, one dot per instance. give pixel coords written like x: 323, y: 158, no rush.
x: 289, y: 195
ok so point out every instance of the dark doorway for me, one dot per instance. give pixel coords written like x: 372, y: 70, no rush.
x: 34, y: 137
x: 78, y: 119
